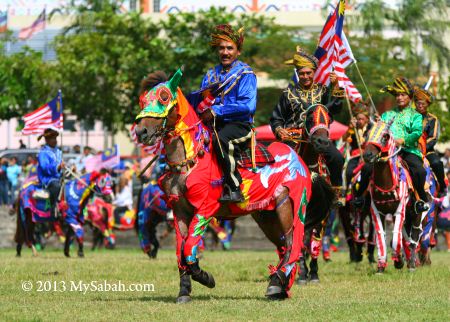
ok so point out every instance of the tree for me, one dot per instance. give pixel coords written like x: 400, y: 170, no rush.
x: 26, y: 82
x: 101, y: 61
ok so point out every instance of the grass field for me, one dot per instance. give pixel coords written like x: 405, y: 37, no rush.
x: 347, y: 292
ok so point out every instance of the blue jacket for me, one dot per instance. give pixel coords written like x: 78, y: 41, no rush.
x: 238, y: 101
x: 49, y: 159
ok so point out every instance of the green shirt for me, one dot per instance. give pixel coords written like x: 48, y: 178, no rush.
x: 407, y: 125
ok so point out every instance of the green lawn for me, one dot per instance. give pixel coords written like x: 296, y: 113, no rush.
x: 346, y: 292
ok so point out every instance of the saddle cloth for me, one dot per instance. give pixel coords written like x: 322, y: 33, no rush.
x: 262, y: 157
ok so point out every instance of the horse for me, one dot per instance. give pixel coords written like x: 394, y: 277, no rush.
x: 33, y: 213
x: 100, y: 217
x: 311, y: 140
x: 152, y: 210
x: 357, y: 222
x: 76, y: 196
x: 390, y: 193
x: 276, y: 194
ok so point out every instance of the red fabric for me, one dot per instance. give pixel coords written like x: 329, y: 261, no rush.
x: 262, y: 157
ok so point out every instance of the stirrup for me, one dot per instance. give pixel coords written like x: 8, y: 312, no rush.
x: 421, y: 206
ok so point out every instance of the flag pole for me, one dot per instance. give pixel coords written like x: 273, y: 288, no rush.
x: 372, y: 104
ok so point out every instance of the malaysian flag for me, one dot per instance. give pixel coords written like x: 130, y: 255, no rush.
x: 38, y: 25
x: 49, y: 115
x: 3, y: 21
x: 334, y: 53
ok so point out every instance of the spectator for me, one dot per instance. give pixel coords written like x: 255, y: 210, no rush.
x: 80, y: 162
x: 22, y: 145
x: 76, y: 149
x: 3, y: 182
x: 124, y: 198
x: 12, y: 172
x: 29, y: 164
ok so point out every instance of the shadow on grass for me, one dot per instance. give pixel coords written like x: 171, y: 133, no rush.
x: 172, y: 299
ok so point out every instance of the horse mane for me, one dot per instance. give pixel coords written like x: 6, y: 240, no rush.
x: 152, y: 80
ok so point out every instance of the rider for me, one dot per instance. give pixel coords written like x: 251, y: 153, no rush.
x: 359, y: 125
x: 296, y: 99
x: 407, y: 130
x: 431, y: 131
x: 50, y: 164
x: 232, y: 111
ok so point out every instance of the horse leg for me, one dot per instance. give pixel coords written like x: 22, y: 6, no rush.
x: 181, y: 224
x: 285, y: 230
x: 378, y: 220
x: 152, y: 235
x: 19, y: 236
x: 397, y: 238
x: 415, y: 234
x: 197, y: 228
x: 316, y: 238
x: 371, y: 241
x: 344, y: 214
x: 69, y: 235
x: 29, y: 232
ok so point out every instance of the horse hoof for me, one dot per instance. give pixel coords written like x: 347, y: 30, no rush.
x: 412, y: 269
x: 67, y: 254
x: 276, y: 293
x: 80, y: 254
x: 380, y: 270
x: 183, y: 299
x: 302, y: 282
x: 314, y: 278
x: 398, y: 263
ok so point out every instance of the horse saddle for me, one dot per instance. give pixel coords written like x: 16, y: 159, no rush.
x: 407, y: 176
x: 41, y: 194
x: 262, y: 157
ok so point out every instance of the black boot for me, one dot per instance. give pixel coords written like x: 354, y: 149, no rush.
x: 303, y: 274
x: 184, y: 296
x: 201, y: 276
x: 314, y: 271
x: 80, y: 251
x: 277, y: 286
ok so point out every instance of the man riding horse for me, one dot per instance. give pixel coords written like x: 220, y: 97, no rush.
x: 407, y: 130
x: 50, y: 166
x: 431, y: 131
x: 232, y: 111
x: 297, y: 98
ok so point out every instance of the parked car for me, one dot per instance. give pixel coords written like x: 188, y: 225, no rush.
x: 22, y: 154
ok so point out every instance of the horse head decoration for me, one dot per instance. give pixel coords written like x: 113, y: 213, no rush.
x: 316, y: 126
x: 192, y: 185
x: 380, y: 143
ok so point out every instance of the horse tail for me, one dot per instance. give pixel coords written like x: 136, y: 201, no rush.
x: 19, y: 235
x: 136, y: 222
x: 320, y: 203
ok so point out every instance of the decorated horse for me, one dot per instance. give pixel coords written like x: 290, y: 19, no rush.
x: 390, y: 194
x: 34, y: 215
x: 276, y: 194
x: 357, y: 222
x: 152, y: 210
x: 76, y: 196
x: 311, y: 140
x: 99, y: 215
